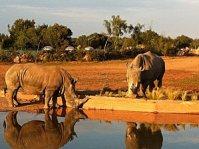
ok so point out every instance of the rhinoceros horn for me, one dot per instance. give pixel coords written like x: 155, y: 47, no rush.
x: 80, y: 102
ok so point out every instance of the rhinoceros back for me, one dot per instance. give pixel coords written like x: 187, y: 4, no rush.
x: 34, y: 78
x: 156, y: 62
x: 152, y: 65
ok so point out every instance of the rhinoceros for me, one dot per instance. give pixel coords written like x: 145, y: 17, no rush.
x: 142, y: 137
x: 50, y: 81
x: 143, y: 71
x: 37, y: 134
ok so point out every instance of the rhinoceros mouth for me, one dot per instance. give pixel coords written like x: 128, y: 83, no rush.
x: 134, y: 89
x: 81, y: 102
x: 77, y: 103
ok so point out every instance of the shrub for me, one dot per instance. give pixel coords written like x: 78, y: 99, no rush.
x: 79, y: 54
x: 158, y: 94
x: 62, y: 55
x: 58, y: 55
x: 28, y: 56
x: 171, y: 52
x: 7, y: 56
x: 102, y: 55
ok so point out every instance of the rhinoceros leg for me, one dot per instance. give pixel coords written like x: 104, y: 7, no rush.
x: 143, y: 89
x: 50, y: 124
x: 159, y: 80
x: 151, y: 86
x: 10, y: 94
x: 16, y: 103
x: 159, y: 83
x: 12, y: 97
x: 129, y: 93
x: 63, y: 100
x: 54, y: 99
x: 48, y: 96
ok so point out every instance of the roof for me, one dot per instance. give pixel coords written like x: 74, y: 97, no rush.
x: 89, y: 48
x: 70, y: 48
x: 48, y: 48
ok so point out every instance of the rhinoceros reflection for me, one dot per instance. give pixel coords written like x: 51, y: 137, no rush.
x: 48, y: 134
x: 142, y: 137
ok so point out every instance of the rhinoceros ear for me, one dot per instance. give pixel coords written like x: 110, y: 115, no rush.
x: 129, y: 65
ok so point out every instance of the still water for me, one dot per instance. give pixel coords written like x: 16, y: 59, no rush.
x: 75, y: 131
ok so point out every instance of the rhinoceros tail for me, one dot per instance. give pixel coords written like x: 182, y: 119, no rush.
x: 4, y: 88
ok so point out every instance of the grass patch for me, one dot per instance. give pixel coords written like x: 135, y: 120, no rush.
x: 170, y: 94
x: 157, y: 94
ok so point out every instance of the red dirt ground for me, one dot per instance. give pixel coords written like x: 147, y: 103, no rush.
x: 181, y: 73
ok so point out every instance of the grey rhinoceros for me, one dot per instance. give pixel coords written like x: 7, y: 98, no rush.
x: 50, y: 81
x: 143, y: 71
x: 37, y: 134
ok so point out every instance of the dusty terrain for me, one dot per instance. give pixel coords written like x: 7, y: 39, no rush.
x: 181, y: 73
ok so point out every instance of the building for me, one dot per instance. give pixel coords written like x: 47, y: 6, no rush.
x: 47, y: 48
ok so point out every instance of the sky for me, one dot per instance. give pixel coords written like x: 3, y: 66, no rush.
x: 167, y: 17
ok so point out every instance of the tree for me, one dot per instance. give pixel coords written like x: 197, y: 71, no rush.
x: 116, y: 27
x: 149, y: 39
x: 195, y: 43
x: 57, y: 35
x: 137, y: 31
x: 5, y: 41
x: 96, y: 40
x: 81, y: 41
x: 21, y: 41
x: 183, y: 41
x: 18, y: 33
x: 128, y: 43
x: 2, y: 37
x: 20, y: 25
x: 166, y: 46
x: 40, y: 31
x: 25, y: 35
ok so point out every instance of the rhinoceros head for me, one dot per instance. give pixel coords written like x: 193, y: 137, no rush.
x: 11, y: 129
x: 11, y: 120
x: 133, y: 78
x: 70, y: 91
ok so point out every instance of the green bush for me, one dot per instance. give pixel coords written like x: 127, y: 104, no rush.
x: 7, y: 56
x: 131, y: 52
x: 170, y: 52
x: 57, y: 55
x: 79, y: 54
x: 102, y: 55
x: 96, y: 55
x: 62, y: 55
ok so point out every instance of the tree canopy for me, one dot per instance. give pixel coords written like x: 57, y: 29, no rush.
x: 25, y: 34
